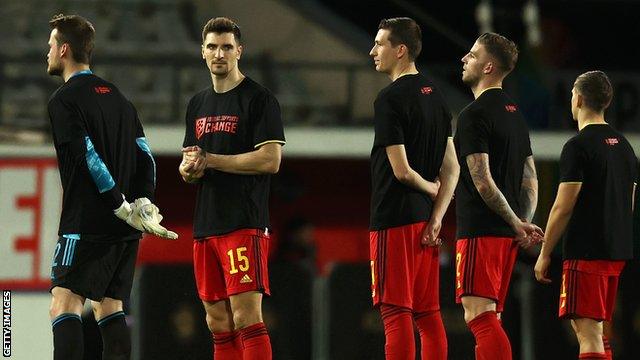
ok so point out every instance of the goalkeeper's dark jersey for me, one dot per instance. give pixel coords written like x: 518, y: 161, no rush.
x: 235, y: 122
x: 102, y: 155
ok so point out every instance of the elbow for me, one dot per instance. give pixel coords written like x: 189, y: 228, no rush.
x: 402, y: 176
x: 272, y: 167
x: 483, y: 188
x: 561, y: 211
x: 455, y: 172
x: 450, y: 173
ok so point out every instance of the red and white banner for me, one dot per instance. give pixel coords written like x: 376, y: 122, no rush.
x: 30, y: 203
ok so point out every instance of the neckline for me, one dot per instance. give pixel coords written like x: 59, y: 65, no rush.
x: 230, y: 90
x: 487, y: 89
x: 81, y: 72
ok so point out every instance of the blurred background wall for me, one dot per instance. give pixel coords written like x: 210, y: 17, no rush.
x: 314, y: 56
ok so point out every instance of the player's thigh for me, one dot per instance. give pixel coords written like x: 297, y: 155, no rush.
x: 208, y: 271
x: 480, y: 267
x: 243, y: 257
x: 394, y: 262
x: 426, y: 288
x: 91, y: 269
x: 586, y: 294
x: 509, y: 252
x: 124, y: 255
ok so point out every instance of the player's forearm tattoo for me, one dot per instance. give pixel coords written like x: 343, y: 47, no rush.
x: 529, y: 190
x: 479, y: 168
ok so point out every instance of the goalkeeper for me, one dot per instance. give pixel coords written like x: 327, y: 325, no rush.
x: 104, y: 161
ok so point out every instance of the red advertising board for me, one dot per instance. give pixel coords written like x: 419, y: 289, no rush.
x: 30, y: 202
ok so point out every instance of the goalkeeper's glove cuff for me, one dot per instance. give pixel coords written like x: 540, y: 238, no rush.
x: 124, y: 211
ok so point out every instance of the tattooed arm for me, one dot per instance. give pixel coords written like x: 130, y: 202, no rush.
x: 529, y: 190
x: 478, y: 164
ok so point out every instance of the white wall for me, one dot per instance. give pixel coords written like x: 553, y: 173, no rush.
x: 32, y: 338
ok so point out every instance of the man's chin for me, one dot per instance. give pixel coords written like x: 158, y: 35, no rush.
x: 469, y: 81
x: 54, y: 71
x: 219, y: 72
x: 380, y: 69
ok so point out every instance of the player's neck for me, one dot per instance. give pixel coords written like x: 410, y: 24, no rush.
x: 586, y: 117
x: 73, y: 68
x: 485, y: 84
x: 222, y: 84
x: 403, y: 69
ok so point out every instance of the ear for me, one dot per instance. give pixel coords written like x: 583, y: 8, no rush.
x: 401, y: 51
x: 202, y: 51
x: 579, y: 101
x: 239, y: 51
x: 488, y: 68
x: 64, y: 50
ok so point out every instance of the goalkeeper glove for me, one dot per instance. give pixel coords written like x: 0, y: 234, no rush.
x: 146, y: 215
x: 125, y: 213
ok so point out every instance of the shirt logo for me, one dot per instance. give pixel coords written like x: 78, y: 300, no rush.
x: 102, y: 89
x: 611, y: 141
x: 511, y: 108
x: 426, y: 90
x: 218, y: 123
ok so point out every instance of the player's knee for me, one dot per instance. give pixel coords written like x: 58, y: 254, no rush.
x: 469, y: 315
x: 54, y: 310
x: 218, y: 323
x: 64, y: 302
x: 246, y: 317
x: 106, y: 307
x: 476, y: 306
x: 588, y: 334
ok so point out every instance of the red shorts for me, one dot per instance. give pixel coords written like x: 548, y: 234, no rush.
x: 589, y: 288
x: 230, y: 264
x: 403, y: 271
x: 484, y: 266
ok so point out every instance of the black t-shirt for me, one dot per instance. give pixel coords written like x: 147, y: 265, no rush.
x: 235, y: 122
x: 412, y: 112
x: 491, y: 124
x: 602, y: 221
x: 96, y: 134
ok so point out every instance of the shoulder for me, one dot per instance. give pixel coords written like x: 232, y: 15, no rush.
x: 199, y: 97
x: 253, y: 89
x: 626, y: 143
x: 392, y: 93
x: 574, y: 143
x: 470, y: 112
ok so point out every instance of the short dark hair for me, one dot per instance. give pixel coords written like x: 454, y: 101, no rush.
x: 596, y: 90
x: 76, y: 31
x: 404, y: 30
x: 221, y: 25
x: 502, y: 49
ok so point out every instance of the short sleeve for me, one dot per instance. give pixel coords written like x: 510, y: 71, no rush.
x: 66, y: 123
x: 139, y: 129
x: 267, y: 125
x: 571, y: 163
x: 635, y: 169
x: 387, y: 120
x: 190, y: 131
x: 474, y: 132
